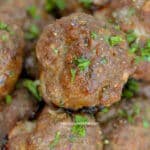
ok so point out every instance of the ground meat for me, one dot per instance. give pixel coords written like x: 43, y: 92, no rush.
x: 134, y: 15
x: 126, y: 125
x: 11, y: 55
x: 23, y: 106
x: 79, y: 67
x: 31, y: 17
x: 143, y: 71
x: 54, y: 130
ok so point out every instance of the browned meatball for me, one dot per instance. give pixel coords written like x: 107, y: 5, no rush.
x: 31, y: 17
x: 54, y: 129
x: 11, y: 55
x: 22, y: 106
x: 127, y: 124
x: 80, y: 65
x: 134, y: 15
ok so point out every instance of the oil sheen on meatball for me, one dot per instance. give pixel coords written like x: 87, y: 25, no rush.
x: 81, y: 63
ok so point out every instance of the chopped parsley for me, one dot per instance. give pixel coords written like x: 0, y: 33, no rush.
x: 146, y: 123
x: 105, y: 110
x: 55, y: 141
x: 115, y: 40
x: 55, y: 50
x: 145, y: 52
x: 130, y: 89
x: 82, y: 63
x: 3, y: 26
x: 134, y: 47
x: 73, y: 75
x: 131, y: 36
x: 32, y: 87
x: 8, y: 99
x: 4, y: 38
x: 86, y: 3
x: 32, y: 11
x: 129, y: 115
x: 93, y: 35
x: 32, y: 33
x: 78, y: 128
x: 52, y: 4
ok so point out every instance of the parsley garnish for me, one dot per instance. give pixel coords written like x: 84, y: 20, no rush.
x: 146, y: 123
x: 86, y: 3
x: 82, y: 63
x: 105, y: 110
x: 3, y: 26
x: 73, y: 75
x: 130, y: 89
x: 32, y: 87
x: 131, y: 36
x: 8, y: 99
x: 32, y: 11
x: 78, y: 128
x: 4, y: 37
x: 52, y: 4
x: 115, y: 40
x: 93, y: 35
x: 32, y: 33
x: 55, y: 141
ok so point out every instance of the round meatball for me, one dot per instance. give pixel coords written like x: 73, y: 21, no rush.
x: 126, y: 121
x: 11, y: 55
x: 22, y: 106
x: 80, y: 64
x: 134, y: 16
x: 31, y: 17
x: 54, y: 129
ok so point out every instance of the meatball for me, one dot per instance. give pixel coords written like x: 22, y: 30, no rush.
x: 11, y: 55
x: 54, y: 129
x: 127, y: 124
x: 134, y: 16
x: 81, y: 65
x: 22, y: 106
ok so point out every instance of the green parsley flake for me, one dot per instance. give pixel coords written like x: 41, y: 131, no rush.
x: 78, y: 128
x: 131, y: 36
x: 130, y: 89
x: 3, y: 26
x: 82, y: 63
x: 52, y: 4
x: 134, y: 47
x: 86, y: 3
x: 73, y: 75
x: 4, y: 38
x: 55, y: 50
x: 32, y: 33
x: 8, y: 99
x: 105, y: 110
x: 146, y: 123
x: 115, y: 40
x: 145, y: 52
x: 32, y: 87
x: 93, y: 35
x: 32, y: 11
x: 55, y: 141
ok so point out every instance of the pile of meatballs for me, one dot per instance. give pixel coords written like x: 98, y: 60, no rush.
x: 75, y: 74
